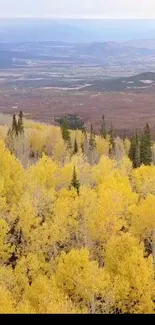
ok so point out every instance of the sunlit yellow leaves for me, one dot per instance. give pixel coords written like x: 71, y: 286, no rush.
x: 132, y: 275
x: 61, y: 252
x: 26, y: 213
x: 76, y: 275
x: 32, y: 265
x: 111, y: 210
x: 5, y: 248
x: 6, y: 302
x: 143, y: 218
x: 12, y: 174
x: 102, y: 146
x: 44, y: 172
x: 125, y: 167
x: 144, y: 180
x: 105, y: 167
x: 37, y: 141
x: 45, y: 297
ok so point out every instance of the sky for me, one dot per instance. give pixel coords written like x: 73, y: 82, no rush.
x: 78, y: 8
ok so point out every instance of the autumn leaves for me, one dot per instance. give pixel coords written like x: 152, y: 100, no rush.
x: 75, y: 240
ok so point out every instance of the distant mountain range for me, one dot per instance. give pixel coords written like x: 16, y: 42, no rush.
x: 100, y: 49
x: 69, y: 30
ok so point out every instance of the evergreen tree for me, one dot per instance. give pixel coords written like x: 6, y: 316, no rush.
x: 112, y: 140
x: 11, y: 134
x: 134, y: 152
x: 75, y: 147
x: 20, y: 125
x: 92, y: 141
x: 75, y: 182
x: 74, y: 122
x: 103, y: 128
x: 137, y: 152
x: 142, y: 149
x: 146, y: 147
x: 66, y: 133
x: 14, y: 128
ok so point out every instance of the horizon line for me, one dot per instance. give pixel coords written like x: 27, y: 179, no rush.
x: 57, y: 17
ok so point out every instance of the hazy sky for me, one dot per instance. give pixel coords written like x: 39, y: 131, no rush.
x: 78, y: 8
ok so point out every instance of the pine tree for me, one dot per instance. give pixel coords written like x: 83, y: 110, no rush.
x: 146, y: 147
x: 20, y: 125
x: 14, y: 128
x: 103, y: 128
x: 75, y: 147
x: 92, y: 141
x: 134, y: 153
x: 75, y: 182
x: 11, y: 134
x: 137, y: 152
x: 112, y: 140
x: 66, y: 133
x: 142, y: 149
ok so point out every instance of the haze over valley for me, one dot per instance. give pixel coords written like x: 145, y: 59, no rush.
x: 48, y: 67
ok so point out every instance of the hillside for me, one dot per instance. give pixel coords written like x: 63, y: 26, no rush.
x: 137, y: 82
x: 76, y: 221
x: 105, y: 49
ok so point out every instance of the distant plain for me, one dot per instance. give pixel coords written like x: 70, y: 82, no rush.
x: 51, y: 78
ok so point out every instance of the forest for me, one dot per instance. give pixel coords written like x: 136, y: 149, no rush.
x: 77, y: 220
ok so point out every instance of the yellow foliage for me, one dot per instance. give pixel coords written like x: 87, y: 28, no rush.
x: 102, y: 146
x: 11, y: 174
x: 6, y: 302
x: 5, y: 248
x: 132, y: 275
x: 143, y: 220
x: 64, y: 251
x: 105, y: 167
x: 144, y: 180
x: 77, y: 276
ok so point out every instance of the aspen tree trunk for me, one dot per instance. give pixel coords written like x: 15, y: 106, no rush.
x: 92, y: 306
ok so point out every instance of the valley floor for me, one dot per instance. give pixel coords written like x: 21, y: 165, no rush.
x: 126, y: 110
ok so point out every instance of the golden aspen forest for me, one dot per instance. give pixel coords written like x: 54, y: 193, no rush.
x: 77, y: 221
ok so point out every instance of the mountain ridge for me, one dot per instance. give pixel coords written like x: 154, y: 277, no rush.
x: 139, y: 81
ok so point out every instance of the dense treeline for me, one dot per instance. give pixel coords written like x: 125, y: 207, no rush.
x: 77, y: 226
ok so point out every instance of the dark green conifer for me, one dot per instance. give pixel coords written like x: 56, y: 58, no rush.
x: 14, y: 128
x: 146, y: 146
x: 75, y: 147
x: 137, y: 153
x: 20, y: 125
x: 103, y: 128
x: 75, y: 182
x: 92, y: 141
x: 134, y: 152
x: 112, y: 141
x: 66, y: 133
